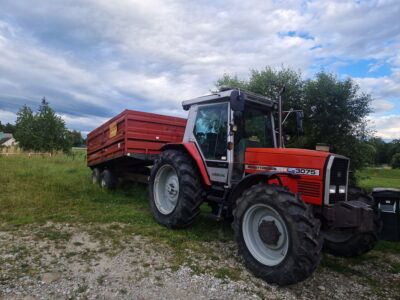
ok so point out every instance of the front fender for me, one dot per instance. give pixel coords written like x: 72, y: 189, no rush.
x: 192, y: 150
x: 253, y: 179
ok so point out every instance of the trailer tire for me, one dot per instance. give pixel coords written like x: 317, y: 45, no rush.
x: 357, y: 243
x: 108, y: 180
x: 286, y: 248
x: 96, y: 176
x: 176, y: 190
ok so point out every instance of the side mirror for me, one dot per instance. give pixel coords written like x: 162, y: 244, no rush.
x: 237, y: 101
x: 299, y: 122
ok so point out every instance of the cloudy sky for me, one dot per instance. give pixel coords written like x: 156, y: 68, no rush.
x: 92, y: 59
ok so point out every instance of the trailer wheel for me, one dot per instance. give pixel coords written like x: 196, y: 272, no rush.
x: 96, y: 176
x: 176, y: 190
x: 350, y: 243
x: 108, y: 180
x: 277, y: 234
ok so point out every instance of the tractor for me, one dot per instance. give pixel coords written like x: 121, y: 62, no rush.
x: 285, y: 204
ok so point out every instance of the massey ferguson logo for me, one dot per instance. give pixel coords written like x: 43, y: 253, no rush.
x: 297, y: 171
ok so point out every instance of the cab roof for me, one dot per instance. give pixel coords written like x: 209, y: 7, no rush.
x: 226, y: 95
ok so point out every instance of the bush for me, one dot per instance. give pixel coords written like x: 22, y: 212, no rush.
x: 396, y: 161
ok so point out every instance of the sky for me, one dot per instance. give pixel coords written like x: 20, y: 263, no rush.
x: 92, y: 59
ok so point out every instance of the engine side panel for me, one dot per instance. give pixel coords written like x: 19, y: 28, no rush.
x: 307, y: 164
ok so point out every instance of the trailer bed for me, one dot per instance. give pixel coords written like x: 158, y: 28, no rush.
x: 133, y: 135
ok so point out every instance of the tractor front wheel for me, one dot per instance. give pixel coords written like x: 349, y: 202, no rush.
x: 350, y: 242
x: 277, y: 234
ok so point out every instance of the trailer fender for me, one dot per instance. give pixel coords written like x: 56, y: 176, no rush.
x: 253, y: 179
x: 192, y: 150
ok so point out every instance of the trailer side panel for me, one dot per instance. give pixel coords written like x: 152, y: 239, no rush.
x: 133, y: 133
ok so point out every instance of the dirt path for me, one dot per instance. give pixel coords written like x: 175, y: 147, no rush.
x: 61, y: 261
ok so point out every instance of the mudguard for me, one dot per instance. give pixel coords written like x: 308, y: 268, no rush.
x: 192, y: 150
x: 255, y: 178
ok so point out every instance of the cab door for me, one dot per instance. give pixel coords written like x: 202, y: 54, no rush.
x: 210, y: 132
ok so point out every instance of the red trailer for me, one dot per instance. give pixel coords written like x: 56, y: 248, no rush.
x: 125, y: 145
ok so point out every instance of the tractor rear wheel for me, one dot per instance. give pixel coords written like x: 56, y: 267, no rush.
x: 176, y: 191
x: 350, y: 242
x: 277, y: 234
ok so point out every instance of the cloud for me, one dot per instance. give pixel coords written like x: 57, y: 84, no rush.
x: 387, y: 127
x: 93, y: 59
x: 380, y: 106
x: 7, y: 116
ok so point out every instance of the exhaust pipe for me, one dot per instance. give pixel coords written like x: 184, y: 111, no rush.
x: 280, y: 116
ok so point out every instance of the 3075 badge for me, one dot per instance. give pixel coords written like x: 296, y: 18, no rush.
x: 301, y: 171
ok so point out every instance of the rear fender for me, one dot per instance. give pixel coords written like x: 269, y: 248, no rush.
x: 192, y: 150
x: 253, y: 179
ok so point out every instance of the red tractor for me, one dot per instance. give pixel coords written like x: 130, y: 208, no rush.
x: 285, y: 203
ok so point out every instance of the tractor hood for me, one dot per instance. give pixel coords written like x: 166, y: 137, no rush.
x: 309, y: 163
x: 289, y: 151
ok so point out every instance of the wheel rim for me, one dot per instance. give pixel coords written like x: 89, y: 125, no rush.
x: 166, y: 189
x: 265, y: 234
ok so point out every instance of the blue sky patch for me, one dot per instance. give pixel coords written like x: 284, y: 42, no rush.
x: 365, y: 68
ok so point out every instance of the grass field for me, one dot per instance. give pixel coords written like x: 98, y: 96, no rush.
x: 379, y: 177
x: 37, y: 190
x: 58, y: 189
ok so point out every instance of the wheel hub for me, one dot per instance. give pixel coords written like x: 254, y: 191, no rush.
x: 265, y: 234
x: 269, y: 232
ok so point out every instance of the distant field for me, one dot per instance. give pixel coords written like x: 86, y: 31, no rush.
x: 379, y: 177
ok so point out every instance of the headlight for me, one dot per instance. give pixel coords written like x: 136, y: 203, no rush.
x: 342, y: 189
x: 332, y: 189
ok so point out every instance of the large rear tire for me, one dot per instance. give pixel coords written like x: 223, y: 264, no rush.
x: 176, y: 191
x: 350, y: 242
x: 277, y: 234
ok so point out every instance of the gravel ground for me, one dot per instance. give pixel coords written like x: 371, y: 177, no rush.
x: 62, y: 261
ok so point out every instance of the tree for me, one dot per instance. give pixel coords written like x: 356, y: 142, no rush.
x: 335, y: 113
x: 7, y: 128
x: 393, y: 148
x: 395, y: 163
x: 25, y: 129
x: 42, y: 131
x: 268, y: 82
x: 76, y: 138
x: 335, y: 110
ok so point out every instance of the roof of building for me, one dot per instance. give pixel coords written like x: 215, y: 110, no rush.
x: 4, y: 137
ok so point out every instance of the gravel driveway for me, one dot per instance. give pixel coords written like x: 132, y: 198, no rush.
x: 62, y: 261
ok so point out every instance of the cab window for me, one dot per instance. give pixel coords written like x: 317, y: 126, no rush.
x: 211, y: 130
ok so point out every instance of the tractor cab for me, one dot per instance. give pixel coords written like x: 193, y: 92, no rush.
x: 225, y: 125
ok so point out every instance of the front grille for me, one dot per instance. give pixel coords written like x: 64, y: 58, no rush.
x: 339, y: 174
x: 308, y: 188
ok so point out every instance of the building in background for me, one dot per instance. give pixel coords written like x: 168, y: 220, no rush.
x: 7, y: 140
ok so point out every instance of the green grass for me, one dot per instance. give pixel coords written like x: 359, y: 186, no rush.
x: 379, y: 177
x: 58, y: 189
